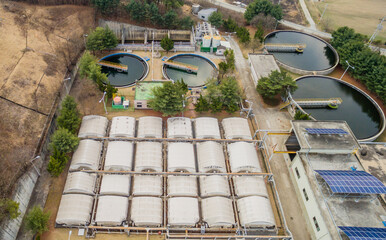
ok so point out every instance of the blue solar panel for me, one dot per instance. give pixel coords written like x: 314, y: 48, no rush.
x: 352, y: 182
x: 337, y: 131
x: 364, y: 233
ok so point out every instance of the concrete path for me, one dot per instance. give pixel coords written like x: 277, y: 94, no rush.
x: 272, y: 118
x: 307, y: 14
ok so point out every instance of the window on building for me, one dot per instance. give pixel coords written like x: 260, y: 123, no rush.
x: 297, y: 172
x: 139, y: 105
x: 316, y: 224
x: 305, y: 194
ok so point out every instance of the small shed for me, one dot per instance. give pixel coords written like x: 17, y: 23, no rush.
x: 181, y: 157
x: 236, y: 128
x: 250, y: 186
x: 80, y: 182
x: 214, y: 186
x: 207, y: 127
x: 93, y: 126
x: 119, y: 156
x: 87, y: 155
x: 147, y: 185
x: 183, y: 212
x: 255, y: 212
x: 218, y: 212
x: 182, y: 186
x: 204, y: 14
x: 179, y: 127
x: 243, y: 157
x: 111, y: 211
x: 146, y: 211
x: 143, y: 93
x: 149, y: 127
x: 122, y: 126
x: 148, y: 157
x: 74, y: 210
x: 115, y: 185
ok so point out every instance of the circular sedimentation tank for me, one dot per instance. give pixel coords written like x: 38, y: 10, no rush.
x: 317, y: 57
x: 137, y: 69
x: 206, y: 69
x: 358, y: 109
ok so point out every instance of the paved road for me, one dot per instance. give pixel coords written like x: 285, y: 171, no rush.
x: 307, y: 14
x: 273, y: 119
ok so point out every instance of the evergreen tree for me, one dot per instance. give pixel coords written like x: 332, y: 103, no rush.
x: 170, y: 19
x: 101, y: 39
x: 230, y: 25
x: 230, y: 92
x: 301, y: 116
x: 85, y: 62
x: 243, y: 34
x: 202, y: 105
x: 9, y: 208
x: 105, y: 6
x: 167, y: 44
x: 216, y: 19
x: 216, y: 105
x: 277, y: 82
x: 69, y: 116
x: 57, y: 163
x: 37, y: 220
x: 64, y: 141
x: 263, y: 6
x: 186, y: 23
x: 168, y: 98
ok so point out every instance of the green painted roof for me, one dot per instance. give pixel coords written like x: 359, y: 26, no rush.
x: 143, y: 90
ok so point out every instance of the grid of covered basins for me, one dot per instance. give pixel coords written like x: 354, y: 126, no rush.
x: 135, y: 177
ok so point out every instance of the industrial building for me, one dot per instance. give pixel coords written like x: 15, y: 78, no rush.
x: 205, y: 13
x: 181, y: 176
x: 338, y: 198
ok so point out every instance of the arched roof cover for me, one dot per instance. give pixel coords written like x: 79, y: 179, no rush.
x: 210, y: 156
x: 243, y: 157
x: 147, y: 185
x: 207, y: 127
x: 214, y: 186
x: 149, y: 127
x: 179, y: 127
x: 87, y: 155
x: 182, y: 186
x: 218, y: 212
x: 181, y: 157
x: 250, y: 186
x: 122, y: 126
x: 93, y: 126
x: 111, y: 210
x: 146, y: 211
x: 80, y: 182
x: 148, y: 156
x: 119, y: 156
x: 183, y: 211
x: 236, y: 128
x: 255, y: 211
x: 115, y: 185
x: 74, y: 209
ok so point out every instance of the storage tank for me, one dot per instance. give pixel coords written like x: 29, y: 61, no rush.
x: 206, y: 41
x: 195, y: 8
x: 216, y: 41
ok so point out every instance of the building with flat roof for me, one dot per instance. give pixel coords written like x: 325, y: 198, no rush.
x: 261, y: 65
x: 338, y: 197
x: 143, y: 93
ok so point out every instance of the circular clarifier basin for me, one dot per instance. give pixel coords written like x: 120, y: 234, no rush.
x: 137, y: 69
x: 206, y: 69
x: 318, y: 56
x: 358, y: 109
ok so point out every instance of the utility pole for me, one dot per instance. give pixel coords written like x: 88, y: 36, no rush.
x: 379, y: 28
x: 104, y: 103
x: 320, y: 19
x: 348, y: 66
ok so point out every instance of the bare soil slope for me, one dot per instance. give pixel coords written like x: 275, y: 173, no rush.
x: 37, y: 44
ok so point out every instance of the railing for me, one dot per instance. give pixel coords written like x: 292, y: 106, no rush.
x: 114, y: 65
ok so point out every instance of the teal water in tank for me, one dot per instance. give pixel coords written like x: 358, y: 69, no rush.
x: 358, y: 111
x: 316, y: 56
x: 136, y: 70
x: 205, y: 70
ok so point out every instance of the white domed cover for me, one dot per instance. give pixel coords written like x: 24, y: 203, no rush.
x: 236, y: 128
x: 243, y: 157
x: 149, y: 127
x: 250, y: 186
x: 87, y: 155
x: 122, y: 126
x: 93, y: 126
x: 111, y: 210
x: 179, y: 127
x: 115, y: 185
x: 119, y: 156
x: 255, y: 211
x: 218, y: 212
x: 210, y: 157
x: 74, y: 209
x: 183, y: 212
x: 147, y: 185
x: 80, y: 182
x: 146, y: 211
x: 182, y: 186
x: 181, y: 157
x: 207, y: 128
x: 214, y: 186
x: 148, y: 156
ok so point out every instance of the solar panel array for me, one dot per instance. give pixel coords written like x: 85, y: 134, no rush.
x: 342, y: 181
x: 364, y: 233
x: 330, y: 131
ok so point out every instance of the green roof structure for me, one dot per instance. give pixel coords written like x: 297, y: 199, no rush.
x: 143, y: 90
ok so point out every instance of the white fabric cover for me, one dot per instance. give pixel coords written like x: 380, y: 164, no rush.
x: 210, y: 156
x: 115, y: 185
x: 207, y: 127
x: 111, y: 210
x: 148, y: 156
x: 119, y: 156
x: 74, y: 209
x: 250, y: 186
x: 182, y: 186
x: 218, y: 212
x: 179, y: 127
x: 87, y: 155
x: 181, y: 157
x: 122, y: 126
x: 214, y: 186
x: 146, y: 211
x: 149, y: 127
x: 147, y: 185
x: 236, y: 128
x: 243, y: 157
x: 183, y: 211
x: 93, y: 126
x: 80, y: 182
x: 255, y: 211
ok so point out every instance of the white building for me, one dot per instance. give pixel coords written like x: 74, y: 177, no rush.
x: 261, y: 65
x: 204, y: 14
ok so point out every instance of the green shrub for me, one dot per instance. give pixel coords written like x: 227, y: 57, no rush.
x: 64, y: 141
x: 202, y: 105
x: 8, y: 208
x: 301, y: 116
x: 58, y: 161
x: 69, y: 116
x: 37, y: 220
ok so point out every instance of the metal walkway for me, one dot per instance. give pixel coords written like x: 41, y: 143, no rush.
x: 318, y: 102
x: 182, y: 66
x: 117, y: 66
x: 282, y: 47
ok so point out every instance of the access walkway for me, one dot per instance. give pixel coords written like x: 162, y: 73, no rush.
x: 283, y: 47
x: 117, y: 66
x: 182, y: 66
